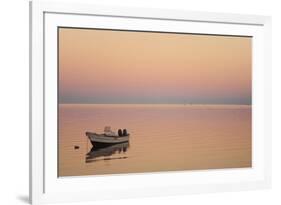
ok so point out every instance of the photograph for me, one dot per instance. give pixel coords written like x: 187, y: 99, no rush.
x: 137, y: 101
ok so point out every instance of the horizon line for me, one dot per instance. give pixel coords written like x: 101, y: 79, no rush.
x: 151, y: 104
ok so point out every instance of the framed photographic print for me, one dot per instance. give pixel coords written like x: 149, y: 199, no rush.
x: 134, y: 102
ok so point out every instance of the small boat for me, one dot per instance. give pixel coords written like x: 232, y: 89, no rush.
x: 108, y: 137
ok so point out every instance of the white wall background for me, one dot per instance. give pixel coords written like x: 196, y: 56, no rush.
x: 14, y: 100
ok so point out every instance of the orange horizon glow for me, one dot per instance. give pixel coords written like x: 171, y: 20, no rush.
x: 105, y: 66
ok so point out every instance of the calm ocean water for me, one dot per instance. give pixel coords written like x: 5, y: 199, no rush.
x: 162, y: 138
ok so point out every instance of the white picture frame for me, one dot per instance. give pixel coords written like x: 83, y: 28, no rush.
x: 46, y: 187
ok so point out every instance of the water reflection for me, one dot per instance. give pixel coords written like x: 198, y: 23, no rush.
x: 105, y: 152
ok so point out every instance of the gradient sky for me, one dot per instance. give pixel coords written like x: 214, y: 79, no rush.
x: 105, y: 66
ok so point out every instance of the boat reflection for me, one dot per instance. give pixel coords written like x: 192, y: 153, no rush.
x: 105, y: 152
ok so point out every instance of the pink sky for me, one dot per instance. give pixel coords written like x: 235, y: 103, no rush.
x: 103, y: 66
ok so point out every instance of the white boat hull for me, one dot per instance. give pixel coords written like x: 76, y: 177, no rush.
x: 102, y: 138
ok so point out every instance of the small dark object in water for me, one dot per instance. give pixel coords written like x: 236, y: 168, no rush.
x: 76, y: 147
x: 120, y: 133
x: 125, y: 133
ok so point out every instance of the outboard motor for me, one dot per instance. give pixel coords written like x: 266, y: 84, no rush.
x: 120, y: 133
x: 125, y: 132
